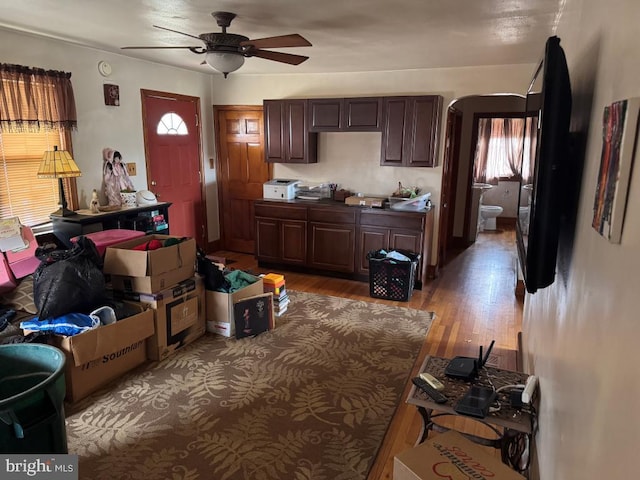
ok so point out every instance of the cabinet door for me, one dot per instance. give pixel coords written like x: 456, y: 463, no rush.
x: 370, y: 239
x: 422, y: 137
x: 332, y: 247
x: 362, y: 114
x: 268, y: 239
x: 294, y: 241
x: 298, y: 140
x: 274, y: 143
x: 325, y: 114
x: 394, y: 124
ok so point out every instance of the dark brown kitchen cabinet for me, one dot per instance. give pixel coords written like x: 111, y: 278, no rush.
x: 332, y: 239
x: 345, y: 114
x: 287, y: 136
x: 281, y: 233
x: 410, y: 131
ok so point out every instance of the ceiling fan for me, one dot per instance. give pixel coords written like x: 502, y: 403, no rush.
x: 225, y: 52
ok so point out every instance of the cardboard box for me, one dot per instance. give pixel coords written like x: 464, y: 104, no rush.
x: 11, y: 235
x: 98, y: 356
x: 364, y: 201
x: 149, y: 271
x: 450, y: 455
x: 179, y: 315
x: 220, y: 307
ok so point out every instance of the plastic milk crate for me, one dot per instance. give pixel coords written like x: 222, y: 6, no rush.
x: 389, y: 278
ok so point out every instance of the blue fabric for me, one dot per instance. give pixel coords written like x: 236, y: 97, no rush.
x: 70, y: 324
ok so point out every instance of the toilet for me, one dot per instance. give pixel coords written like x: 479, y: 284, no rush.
x: 488, y: 214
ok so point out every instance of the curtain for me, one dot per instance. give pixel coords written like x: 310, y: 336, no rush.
x: 498, y: 150
x: 34, y: 99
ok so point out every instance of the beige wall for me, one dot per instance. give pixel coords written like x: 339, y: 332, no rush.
x: 581, y: 334
x: 100, y: 126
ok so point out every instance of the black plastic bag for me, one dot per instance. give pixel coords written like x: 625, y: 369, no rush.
x: 213, y: 276
x: 68, y: 281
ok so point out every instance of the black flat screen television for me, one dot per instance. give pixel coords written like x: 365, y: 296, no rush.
x: 548, y: 112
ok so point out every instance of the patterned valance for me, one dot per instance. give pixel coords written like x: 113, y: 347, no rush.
x: 33, y: 99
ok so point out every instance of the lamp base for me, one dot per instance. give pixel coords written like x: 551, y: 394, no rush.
x: 63, y: 212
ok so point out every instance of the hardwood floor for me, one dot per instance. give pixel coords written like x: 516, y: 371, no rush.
x: 474, y: 303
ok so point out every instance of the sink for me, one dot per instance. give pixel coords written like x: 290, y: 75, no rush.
x: 482, y: 186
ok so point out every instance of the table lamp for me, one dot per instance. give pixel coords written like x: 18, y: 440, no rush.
x: 59, y: 164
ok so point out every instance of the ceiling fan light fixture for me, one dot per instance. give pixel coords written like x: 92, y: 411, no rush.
x: 224, y: 62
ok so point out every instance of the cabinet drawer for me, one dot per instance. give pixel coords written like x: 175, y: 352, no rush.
x: 393, y: 220
x: 280, y: 211
x: 329, y: 215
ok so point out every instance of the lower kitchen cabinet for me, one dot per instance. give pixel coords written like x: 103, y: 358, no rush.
x: 332, y: 239
x: 335, y: 238
x: 281, y: 234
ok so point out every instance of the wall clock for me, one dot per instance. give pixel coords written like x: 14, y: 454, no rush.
x: 104, y: 68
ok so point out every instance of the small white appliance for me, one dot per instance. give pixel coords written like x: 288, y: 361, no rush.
x: 280, y: 189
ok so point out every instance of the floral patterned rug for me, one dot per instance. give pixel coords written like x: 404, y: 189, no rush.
x: 311, y: 399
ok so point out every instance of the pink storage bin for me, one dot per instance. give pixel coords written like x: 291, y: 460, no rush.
x: 24, y: 262
x: 7, y: 280
x: 106, y: 238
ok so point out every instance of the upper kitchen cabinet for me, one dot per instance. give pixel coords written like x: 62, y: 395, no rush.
x: 345, y: 114
x: 287, y: 136
x: 410, y: 129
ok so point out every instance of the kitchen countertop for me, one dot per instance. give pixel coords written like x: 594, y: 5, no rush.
x: 327, y: 202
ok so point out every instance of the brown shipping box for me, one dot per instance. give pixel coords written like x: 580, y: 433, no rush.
x: 220, y: 307
x: 149, y: 271
x: 98, y: 356
x: 364, y: 201
x: 450, y: 455
x: 179, y: 317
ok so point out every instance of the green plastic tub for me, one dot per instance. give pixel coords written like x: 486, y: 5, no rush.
x: 32, y: 391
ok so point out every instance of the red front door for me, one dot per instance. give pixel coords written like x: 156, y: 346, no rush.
x: 172, y: 145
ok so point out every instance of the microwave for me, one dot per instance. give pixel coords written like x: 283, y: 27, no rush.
x: 280, y: 189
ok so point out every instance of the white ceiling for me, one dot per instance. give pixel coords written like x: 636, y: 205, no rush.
x: 347, y: 35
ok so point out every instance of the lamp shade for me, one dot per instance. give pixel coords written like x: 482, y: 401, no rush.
x: 58, y: 164
x: 224, y: 62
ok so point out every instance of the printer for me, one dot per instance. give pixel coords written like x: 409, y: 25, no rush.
x: 280, y: 189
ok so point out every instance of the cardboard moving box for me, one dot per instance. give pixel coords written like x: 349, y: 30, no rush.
x: 179, y: 317
x: 450, y: 455
x: 220, y: 307
x: 149, y: 271
x: 98, y: 356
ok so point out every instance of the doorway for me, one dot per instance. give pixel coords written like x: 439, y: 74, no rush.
x: 458, y: 166
x: 241, y: 171
x: 174, y: 160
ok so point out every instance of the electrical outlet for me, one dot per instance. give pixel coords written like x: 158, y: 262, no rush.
x: 131, y: 169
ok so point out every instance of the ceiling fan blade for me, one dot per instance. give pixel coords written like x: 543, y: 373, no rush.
x: 176, y: 31
x: 132, y: 48
x: 282, y: 41
x: 277, y: 56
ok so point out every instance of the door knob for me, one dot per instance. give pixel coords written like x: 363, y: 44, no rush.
x: 153, y: 183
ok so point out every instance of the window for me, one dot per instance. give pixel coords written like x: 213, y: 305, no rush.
x: 172, y: 124
x: 499, y: 149
x: 37, y: 113
x: 23, y: 194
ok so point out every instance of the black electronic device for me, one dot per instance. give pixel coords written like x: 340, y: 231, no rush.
x: 423, y: 385
x: 476, y: 402
x: 466, y: 368
x: 546, y: 168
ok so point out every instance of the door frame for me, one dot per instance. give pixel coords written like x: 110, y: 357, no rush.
x: 219, y: 244
x: 144, y: 93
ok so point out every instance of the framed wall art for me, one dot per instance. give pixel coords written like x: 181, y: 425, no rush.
x: 619, y: 145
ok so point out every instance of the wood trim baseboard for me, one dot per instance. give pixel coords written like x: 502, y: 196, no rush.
x: 214, y: 246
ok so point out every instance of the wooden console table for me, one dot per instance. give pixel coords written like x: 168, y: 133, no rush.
x: 65, y: 228
x: 513, y: 427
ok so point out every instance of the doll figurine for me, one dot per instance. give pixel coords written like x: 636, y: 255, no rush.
x: 115, y: 176
x: 94, y: 206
